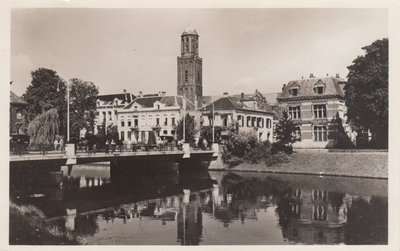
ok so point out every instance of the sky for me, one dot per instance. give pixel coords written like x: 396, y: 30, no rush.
x: 137, y: 49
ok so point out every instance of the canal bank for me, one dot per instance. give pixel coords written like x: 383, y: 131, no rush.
x: 346, y: 164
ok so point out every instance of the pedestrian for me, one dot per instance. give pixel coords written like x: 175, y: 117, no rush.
x: 205, y: 144
x: 56, y: 144
x: 112, y: 146
x: 62, y: 145
x: 94, y: 148
x: 107, y: 145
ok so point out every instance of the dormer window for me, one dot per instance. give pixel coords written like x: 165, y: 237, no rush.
x: 293, y: 92
x: 319, y: 88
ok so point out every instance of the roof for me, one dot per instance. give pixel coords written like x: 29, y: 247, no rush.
x: 148, y: 101
x: 306, y: 87
x: 189, y: 31
x: 271, y: 97
x: 231, y: 103
x: 225, y: 103
x: 14, y: 99
x: 125, y: 97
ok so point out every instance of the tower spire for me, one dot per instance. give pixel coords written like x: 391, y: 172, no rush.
x: 190, y: 66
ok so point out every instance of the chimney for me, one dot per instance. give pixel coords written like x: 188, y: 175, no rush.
x: 140, y: 94
x: 311, y: 75
x: 163, y: 93
x: 283, y: 88
x: 225, y: 93
x: 124, y: 90
x: 327, y: 74
x: 302, y: 77
x: 337, y: 75
x: 125, y: 95
x: 242, y: 96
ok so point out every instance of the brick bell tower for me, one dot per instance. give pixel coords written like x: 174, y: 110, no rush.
x: 190, y: 66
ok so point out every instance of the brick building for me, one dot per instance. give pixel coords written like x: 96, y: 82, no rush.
x: 314, y: 104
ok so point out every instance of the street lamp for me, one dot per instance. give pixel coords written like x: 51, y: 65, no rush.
x: 213, y: 118
x: 58, y: 89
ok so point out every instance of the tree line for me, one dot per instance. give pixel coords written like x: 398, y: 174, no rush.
x: 47, y: 106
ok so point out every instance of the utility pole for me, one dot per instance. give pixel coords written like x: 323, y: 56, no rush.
x: 213, y: 118
x: 184, y: 118
x: 67, y: 111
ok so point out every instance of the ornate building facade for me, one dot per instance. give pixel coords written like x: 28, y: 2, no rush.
x: 317, y: 107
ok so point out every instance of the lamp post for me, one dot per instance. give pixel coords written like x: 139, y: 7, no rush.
x: 58, y: 89
x: 67, y: 111
x: 213, y: 119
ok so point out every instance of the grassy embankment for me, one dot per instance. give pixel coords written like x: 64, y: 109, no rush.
x: 28, y: 226
x: 370, y: 164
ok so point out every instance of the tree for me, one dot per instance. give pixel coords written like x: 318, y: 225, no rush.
x: 206, y: 133
x: 339, y: 135
x: 366, y: 92
x: 44, y: 128
x: 284, y: 131
x: 47, y: 91
x: 190, y: 129
x: 83, y: 106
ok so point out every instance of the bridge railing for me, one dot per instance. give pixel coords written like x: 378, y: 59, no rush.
x: 51, y: 150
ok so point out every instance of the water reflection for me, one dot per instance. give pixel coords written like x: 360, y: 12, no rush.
x: 221, y: 208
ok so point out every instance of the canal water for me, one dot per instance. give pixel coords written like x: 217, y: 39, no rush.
x: 213, y: 208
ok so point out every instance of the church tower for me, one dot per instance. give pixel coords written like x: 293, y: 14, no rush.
x: 190, y: 66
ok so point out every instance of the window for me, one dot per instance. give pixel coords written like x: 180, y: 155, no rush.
x: 294, y: 112
x: 122, y: 135
x: 129, y: 123
x: 122, y: 123
x: 293, y: 92
x: 225, y: 121
x: 129, y: 135
x: 136, y: 122
x: 319, y: 111
x: 319, y: 90
x: 158, y: 107
x: 268, y: 125
x: 187, y: 44
x: 173, y: 121
x: 248, y: 121
x: 319, y: 213
x: 297, y: 133
x: 109, y: 115
x: 172, y: 132
x: 157, y: 121
x: 320, y: 133
x: 186, y: 76
x: 165, y: 132
x: 165, y: 121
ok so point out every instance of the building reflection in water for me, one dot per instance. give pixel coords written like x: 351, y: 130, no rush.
x: 308, y: 213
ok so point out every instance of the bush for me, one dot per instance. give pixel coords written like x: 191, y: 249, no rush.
x: 279, y: 157
x: 276, y: 147
x: 246, y: 148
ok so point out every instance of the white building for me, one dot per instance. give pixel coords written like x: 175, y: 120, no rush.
x: 108, y: 106
x: 157, y: 113
x: 229, y: 110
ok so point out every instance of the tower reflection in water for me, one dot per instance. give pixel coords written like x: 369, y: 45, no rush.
x: 308, y: 211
